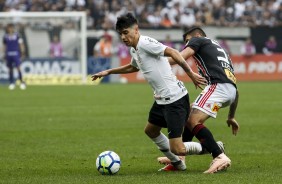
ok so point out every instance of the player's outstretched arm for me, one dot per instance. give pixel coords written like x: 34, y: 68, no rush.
x: 119, y: 70
x: 176, y: 56
x: 231, y: 115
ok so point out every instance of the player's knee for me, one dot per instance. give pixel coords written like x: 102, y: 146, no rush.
x: 193, y: 121
x: 190, y: 124
x: 151, y: 133
x: 147, y: 131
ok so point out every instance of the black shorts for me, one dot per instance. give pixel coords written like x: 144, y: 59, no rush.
x: 171, y: 116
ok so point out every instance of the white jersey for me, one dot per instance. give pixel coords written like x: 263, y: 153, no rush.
x: 150, y: 60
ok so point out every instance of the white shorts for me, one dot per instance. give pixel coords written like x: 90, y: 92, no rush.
x: 214, y: 97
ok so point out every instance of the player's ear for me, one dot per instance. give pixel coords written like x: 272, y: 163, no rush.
x: 136, y: 28
x: 198, y: 34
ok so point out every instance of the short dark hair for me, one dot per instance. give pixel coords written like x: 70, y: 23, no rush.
x: 192, y: 31
x: 125, y: 21
x: 10, y: 25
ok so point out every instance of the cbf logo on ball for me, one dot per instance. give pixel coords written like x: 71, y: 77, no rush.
x: 108, y: 163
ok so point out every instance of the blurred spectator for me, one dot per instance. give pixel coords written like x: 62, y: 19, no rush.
x: 168, y: 42
x: 166, y: 13
x: 278, y: 15
x: 174, y: 12
x: 187, y: 19
x: 122, y: 50
x: 249, y: 15
x: 74, y: 4
x: 228, y: 17
x: 143, y: 22
x: 270, y: 46
x: 166, y: 21
x: 104, y: 47
x: 248, y: 49
x: 207, y: 16
x: 223, y: 43
x: 218, y: 12
x: 268, y: 19
x: 56, y: 48
x: 155, y: 18
x: 90, y: 20
x: 239, y: 8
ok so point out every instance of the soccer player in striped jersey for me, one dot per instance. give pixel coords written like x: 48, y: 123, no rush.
x: 215, y: 65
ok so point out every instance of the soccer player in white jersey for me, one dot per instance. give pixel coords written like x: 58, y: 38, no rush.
x: 171, y: 107
x: 216, y: 66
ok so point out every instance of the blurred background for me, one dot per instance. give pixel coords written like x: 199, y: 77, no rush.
x: 68, y: 40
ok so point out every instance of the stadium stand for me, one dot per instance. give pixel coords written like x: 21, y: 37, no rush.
x: 162, y: 15
x: 103, y: 13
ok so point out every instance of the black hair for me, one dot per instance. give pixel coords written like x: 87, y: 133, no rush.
x: 10, y: 25
x: 193, y: 31
x: 125, y: 21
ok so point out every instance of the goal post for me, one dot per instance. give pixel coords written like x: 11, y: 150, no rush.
x: 38, y: 30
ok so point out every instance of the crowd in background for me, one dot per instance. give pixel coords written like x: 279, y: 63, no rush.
x: 162, y: 13
x: 102, y: 14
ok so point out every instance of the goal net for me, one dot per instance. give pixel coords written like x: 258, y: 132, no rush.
x: 55, y: 46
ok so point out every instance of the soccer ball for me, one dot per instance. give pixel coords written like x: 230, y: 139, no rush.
x: 108, y: 163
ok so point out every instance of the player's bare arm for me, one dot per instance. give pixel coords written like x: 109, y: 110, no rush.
x: 231, y: 115
x: 176, y: 56
x: 186, y: 53
x: 22, y: 50
x: 4, y: 51
x: 171, y: 61
x: 119, y: 70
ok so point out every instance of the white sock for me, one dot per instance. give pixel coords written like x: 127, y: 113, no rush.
x: 193, y: 148
x: 163, y: 144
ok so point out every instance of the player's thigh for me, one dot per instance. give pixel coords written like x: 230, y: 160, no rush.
x: 214, y: 97
x: 152, y: 130
x: 196, y: 117
x: 17, y: 61
x: 9, y: 62
x: 176, y: 115
x: 156, y: 121
x: 156, y: 115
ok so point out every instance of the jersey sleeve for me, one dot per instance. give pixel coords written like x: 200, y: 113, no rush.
x: 154, y: 47
x: 133, y: 63
x: 195, y: 43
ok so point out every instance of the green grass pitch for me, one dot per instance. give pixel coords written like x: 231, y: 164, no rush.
x: 53, y: 134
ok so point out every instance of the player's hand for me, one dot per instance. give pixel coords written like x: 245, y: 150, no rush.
x: 234, y: 125
x: 198, y: 80
x: 99, y: 75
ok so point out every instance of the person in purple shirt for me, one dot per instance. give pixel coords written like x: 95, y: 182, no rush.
x: 270, y: 46
x: 13, y: 52
x: 248, y: 49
